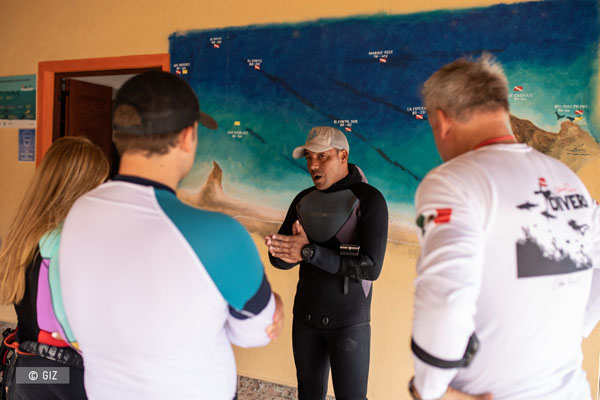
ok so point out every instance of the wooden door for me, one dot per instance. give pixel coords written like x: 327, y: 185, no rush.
x: 88, y: 112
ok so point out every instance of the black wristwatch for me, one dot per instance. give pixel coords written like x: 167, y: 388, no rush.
x: 307, y: 252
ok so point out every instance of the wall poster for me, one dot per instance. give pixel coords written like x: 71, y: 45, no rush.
x: 17, y: 101
x: 268, y: 85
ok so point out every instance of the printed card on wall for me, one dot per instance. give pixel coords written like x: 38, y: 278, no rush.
x: 26, y: 144
x: 17, y: 101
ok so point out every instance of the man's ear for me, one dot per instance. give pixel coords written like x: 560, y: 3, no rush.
x: 187, y: 138
x: 444, y: 122
x: 343, y: 155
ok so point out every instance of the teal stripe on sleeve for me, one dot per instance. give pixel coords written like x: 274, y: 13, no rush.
x: 49, y: 245
x: 222, y: 244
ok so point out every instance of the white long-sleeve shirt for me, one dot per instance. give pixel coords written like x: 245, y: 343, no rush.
x: 510, y: 243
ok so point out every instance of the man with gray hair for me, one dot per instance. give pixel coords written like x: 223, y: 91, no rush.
x: 510, y: 242
x: 337, y: 231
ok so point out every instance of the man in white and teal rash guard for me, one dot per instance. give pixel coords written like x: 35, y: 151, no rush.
x: 155, y: 291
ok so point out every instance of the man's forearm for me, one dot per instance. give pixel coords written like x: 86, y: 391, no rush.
x: 359, y: 266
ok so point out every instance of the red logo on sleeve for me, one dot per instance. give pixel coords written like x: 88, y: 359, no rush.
x: 442, y: 215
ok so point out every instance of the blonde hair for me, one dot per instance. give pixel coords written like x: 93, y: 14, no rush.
x: 71, y: 167
x: 467, y: 85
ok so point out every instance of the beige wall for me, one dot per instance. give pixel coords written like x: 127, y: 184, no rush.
x: 42, y: 30
x: 14, y: 176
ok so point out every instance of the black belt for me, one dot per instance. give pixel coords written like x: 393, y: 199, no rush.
x: 63, y: 355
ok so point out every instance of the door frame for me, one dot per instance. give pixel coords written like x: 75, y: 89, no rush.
x: 50, y: 74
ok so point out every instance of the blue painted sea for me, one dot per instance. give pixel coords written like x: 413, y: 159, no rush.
x: 268, y: 85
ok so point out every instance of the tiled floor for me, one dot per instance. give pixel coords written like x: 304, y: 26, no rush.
x: 4, y: 325
x: 254, y: 389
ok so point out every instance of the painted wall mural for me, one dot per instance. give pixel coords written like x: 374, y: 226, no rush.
x: 268, y: 85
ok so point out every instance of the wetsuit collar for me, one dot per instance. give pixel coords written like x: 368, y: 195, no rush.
x: 350, y: 179
x: 142, y: 181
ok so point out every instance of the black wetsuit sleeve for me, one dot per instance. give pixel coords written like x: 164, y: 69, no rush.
x: 286, y: 229
x: 372, y: 238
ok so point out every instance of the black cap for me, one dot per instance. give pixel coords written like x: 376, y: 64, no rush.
x: 165, y: 103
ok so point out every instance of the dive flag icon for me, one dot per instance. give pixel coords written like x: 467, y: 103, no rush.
x: 419, y: 116
x: 383, y: 60
x: 579, y: 112
x: 348, y: 129
x: 518, y: 88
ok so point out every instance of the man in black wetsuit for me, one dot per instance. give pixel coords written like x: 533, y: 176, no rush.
x: 337, y: 231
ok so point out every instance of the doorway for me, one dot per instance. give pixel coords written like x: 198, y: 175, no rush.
x: 75, y: 98
x: 86, y: 104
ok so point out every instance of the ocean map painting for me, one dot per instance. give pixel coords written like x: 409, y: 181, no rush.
x: 268, y: 85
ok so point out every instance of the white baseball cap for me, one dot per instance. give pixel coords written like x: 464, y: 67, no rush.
x: 320, y: 139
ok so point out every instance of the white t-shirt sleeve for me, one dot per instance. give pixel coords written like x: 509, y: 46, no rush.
x: 592, y: 310
x: 451, y: 215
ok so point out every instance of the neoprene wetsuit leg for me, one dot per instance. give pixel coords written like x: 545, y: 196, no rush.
x: 347, y: 350
x: 312, y: 361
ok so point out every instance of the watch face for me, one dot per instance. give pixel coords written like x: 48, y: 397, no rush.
x: 307, y: 252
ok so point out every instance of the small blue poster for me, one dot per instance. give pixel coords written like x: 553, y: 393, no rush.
x: 17, y: 101
x: 26, y: 144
